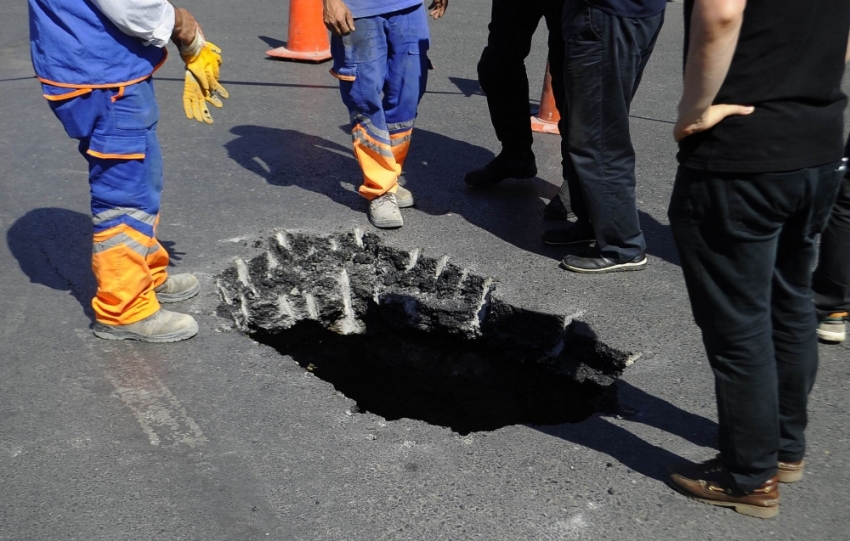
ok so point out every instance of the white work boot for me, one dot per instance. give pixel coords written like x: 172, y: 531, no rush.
x: 178, y: 287
x: 163, y: 326
x: 384, y: 213
x: 404, y: 197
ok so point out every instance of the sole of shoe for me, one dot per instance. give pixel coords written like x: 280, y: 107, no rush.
x: 111, y: 333
x: 386, y: 224
x: 743, y: 508
x: 522, y: 175
x: 833, y: 337
x: 178, y: 297
x: 620, y: 267
x: 788, y: 473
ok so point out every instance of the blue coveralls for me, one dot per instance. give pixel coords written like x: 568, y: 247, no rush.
x: 97, y: 82
x: 383, y: 69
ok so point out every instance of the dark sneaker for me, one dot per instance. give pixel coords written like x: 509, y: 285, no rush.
x: 831, y: 328
x: 711, y: 483
x: 163, y: 326
x: 790, y: 472
x: 572, y: 233
x: 178, y: 287
x: 384, y: 213
x: 555, y: 210
x: 404, y: 197
x: 500, y: 168
x: 599, y: 264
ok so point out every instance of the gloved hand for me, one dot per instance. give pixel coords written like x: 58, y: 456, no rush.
x: 194, y: 101
x: 204, y: 65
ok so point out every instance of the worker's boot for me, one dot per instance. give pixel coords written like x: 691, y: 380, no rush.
x: 178, y: 287
x: 163, y: 326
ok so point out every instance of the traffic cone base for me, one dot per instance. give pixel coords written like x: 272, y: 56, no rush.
x: 308, y: 38
x: 544, y: 126
x: 546, y: 120
x: 305, y: 56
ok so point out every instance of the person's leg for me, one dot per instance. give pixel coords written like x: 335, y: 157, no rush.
x: 408, y: 40
x: 831, y: 281
x: 360, y: 64
x: 794, y: 320
x: 727, y: 230
x: 502, y: 75
x: 605, y: 60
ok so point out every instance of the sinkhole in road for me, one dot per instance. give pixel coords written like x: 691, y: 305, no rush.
x: 410, y: 336
x: 466, y: 385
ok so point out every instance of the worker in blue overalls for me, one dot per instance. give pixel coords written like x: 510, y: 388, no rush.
x: 95, y: 59
x: 379, y: 50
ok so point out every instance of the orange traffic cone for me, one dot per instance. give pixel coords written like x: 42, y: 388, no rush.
x: 308, y: 38
x: 546, y: 120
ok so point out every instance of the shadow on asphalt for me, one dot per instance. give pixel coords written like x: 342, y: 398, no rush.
x: 633, y: 452
x: 53, y: 248
x: 434, y: 172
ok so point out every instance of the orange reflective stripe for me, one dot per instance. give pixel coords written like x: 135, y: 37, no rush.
x: 68, y: 95
x: 107, y: 85
x: 117, y: 96
x: 101, y: 155
x: 348, y: 78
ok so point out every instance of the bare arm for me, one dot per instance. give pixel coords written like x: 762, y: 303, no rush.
x: 337, y: 17
x: 715, y: 28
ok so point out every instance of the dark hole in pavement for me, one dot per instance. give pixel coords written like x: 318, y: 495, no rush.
x: 406, y: 335
x: 443, y: 380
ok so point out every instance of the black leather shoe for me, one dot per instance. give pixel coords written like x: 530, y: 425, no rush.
x: 555, y: 210
x: 572, y: 233
x: 599, y: 264
x: 500, y: 168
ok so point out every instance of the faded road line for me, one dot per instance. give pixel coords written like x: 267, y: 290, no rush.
x: 162, y: 417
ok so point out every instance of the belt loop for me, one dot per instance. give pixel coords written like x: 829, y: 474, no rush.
x: 117, y: 96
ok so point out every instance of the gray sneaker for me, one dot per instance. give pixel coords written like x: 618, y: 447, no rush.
x: 404, y: 197
x: 163, y: 326
x: 178, y: 287
x: 831, y: 328
x: 384, y: 213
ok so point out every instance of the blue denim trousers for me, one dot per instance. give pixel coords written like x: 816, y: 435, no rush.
x: 605, y: 59
x: 747, y: 243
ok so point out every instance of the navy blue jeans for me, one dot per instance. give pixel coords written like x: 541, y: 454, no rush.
x: 831, y: 280
x: 747, y: 244
x: 605, y: 59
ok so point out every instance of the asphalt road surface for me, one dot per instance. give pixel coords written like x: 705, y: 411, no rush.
x: 220, y: 438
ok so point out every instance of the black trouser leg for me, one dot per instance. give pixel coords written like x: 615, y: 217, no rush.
x: 605, y: 58
x: 502, y: 75
x: 832, y: 275
x: 746, y: 244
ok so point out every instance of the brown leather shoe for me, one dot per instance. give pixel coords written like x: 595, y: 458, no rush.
x: 711, y: 483
x: 790, y: 472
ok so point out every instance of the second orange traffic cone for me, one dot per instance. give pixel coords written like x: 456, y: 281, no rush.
x: 308, y: 37
x: 546, y: 120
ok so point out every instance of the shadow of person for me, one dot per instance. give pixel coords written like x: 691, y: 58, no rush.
x: 434, y: 171
x: 659, y: 239
x: 600, y: 434
x: 53, y: 247
x: 291, y: 158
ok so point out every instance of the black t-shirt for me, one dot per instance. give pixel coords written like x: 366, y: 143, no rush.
x: 788, y: 64
x: 636, y: 9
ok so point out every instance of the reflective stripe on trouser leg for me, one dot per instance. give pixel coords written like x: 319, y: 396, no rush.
x: 124, y: 280
x: 377, y: 161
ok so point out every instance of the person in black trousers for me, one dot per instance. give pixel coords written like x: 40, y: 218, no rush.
x: 608, y: 44
x: 760, y: 135
x: 502, y: 76
x: 831, y: 281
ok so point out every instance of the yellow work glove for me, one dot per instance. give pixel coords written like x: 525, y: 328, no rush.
x: 194, y: 101
x: 203, y: 59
